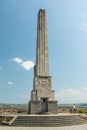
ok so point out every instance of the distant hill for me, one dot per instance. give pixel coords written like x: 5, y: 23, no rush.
x: 78, y: 105
x: 13, y: 106
x: 25, y: 106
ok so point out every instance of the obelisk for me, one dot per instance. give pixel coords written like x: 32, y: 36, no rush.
x: 42, y: 95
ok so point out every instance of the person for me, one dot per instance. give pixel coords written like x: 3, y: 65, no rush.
x: 74, y: 108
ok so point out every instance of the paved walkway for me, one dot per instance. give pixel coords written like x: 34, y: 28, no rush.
x: 78, y: 127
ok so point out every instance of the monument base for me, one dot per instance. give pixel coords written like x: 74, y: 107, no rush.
x: 39, y: 107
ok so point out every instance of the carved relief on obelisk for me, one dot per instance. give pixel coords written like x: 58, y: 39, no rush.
x: 42, y: 95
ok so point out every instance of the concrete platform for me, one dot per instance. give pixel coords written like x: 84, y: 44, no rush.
x: 77, y: 127
x: 41, y: 120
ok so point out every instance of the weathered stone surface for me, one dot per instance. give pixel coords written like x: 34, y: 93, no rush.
x: 42, y: 95
x: 50, y: 120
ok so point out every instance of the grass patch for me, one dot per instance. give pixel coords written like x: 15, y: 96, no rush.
x: 82, y: 111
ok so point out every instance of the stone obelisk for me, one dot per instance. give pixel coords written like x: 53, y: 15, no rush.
x: 42, y: 95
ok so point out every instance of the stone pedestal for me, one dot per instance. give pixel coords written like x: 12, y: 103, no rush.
x: 37, y: 107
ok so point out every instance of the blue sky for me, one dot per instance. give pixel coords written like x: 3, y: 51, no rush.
x: 67, y: 38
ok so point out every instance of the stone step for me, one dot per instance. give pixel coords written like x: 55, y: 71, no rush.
x: 43, y: 121
x: 47, y: 125
x: 48, y: 120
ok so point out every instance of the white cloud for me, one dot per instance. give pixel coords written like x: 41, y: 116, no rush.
x: 27, y: 65
x: 17, y: 60
x: 84, y: 27
x: 78, y: 95
x: 10, y: 83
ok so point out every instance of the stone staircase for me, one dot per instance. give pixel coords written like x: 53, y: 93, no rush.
x: 48, y: 121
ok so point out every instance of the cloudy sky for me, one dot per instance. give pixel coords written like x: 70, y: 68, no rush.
x: 67, y: 36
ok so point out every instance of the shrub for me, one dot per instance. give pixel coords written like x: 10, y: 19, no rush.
x: 22, y: 111
x: 81, y: 111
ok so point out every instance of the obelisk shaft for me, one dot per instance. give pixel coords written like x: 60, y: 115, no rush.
x: 42, y: 95
x: 42, y: 65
